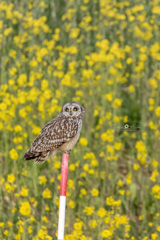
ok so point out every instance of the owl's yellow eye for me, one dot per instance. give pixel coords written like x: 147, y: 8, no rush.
x: 75, y: 109
x: 67, y: 109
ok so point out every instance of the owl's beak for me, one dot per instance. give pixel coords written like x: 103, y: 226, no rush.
x: 70, y: 113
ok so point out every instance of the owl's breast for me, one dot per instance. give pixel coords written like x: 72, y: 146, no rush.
x: 67, y: 146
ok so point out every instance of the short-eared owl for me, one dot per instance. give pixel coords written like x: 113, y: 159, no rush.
x: 62, y: 133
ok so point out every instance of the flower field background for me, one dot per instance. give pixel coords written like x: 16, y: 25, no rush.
x: 106, y: 56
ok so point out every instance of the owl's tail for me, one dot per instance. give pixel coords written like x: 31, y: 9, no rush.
x: 40, y: 156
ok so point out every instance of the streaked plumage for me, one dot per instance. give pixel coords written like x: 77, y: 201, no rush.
x: 61, y: 134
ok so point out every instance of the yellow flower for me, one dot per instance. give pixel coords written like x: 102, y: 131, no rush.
x: 129, y: 60
x: 22, y: 79
x: 136, y: 167
x: 125, y: 119
x: 91, y: 171
x: 151, y: 101
x: 153, y: 83
x: 6, y: 232
x: 131, y: 88
x: 140, y: 146
x: 158, y: 228
x: 10, y: 224
x: 108, y: 115
x: 24, y: 172
x: 117, y: 145
x: 78, y: 225
x: 44, y: 84
x: 156, y: 9
x: 123, y: 220
x: 101, y: 212
x: 22, y: 113
x: 72, y: 167
x: 108, y: 136
x: 24, y: 192
x: 14, y: 210
x: 7, y: 31
x: 110, y: 201
x: 12, y: 71
x: 79, y: 93
x: 129, y: 179
x: 42, y: 234
x: 1, y: 126
x: 154, y: 236
x: 83, y: 141
x: 120, y: 183
x: 13, y: 154
x: 112, y: 71
x: 48, y: 237
x: 46, y: 193
x: 70, y: 184
x: 74, y: 32
x: 122, y: 192
x: 66, y: 80
x: 157, y: 111
x: 1, y: 224
x: 11, y: 178
x: 152, y: 125
x: 44, y: 219
x: 92, y: 223
x: 83, y: 191
x: 12, y: 54
x: 25, y: 209
x: 109, y: 96
x: 57, y: 165
x: 36, y: 130
x: 117, y: 103
x: 18, y: 128
x: 9, y: 187
x: 156, y: 191
x: 86, y: 167
x: 107, y: 234
x: 154, y: 163
x: 33, y: 63
x: 94, y: 163
x: 52, y: 180
x: 30, y: 229
x: 71, y: 204
x: 47, y: 208
x: 95, y: 192
x: 88, y: 210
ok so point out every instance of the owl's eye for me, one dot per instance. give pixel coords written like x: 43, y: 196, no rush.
x: 75, y: 109
x: 67, y: 109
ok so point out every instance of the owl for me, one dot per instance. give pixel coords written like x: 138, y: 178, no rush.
x: 60, y: 134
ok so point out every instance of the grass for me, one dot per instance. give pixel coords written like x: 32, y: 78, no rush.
x: 104, y: 55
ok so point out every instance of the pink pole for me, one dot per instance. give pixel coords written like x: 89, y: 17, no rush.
x: 62, y: 200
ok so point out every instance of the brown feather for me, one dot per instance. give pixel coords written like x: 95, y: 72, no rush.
x: 40, y: 156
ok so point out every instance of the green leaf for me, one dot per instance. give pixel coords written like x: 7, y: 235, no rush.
x: 133, y: 190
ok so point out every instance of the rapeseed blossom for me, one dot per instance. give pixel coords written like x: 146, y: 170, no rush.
x: 25, y: 209
x: 83, y: 141
x: 46, y: 193
x: 42, y: 179
x: 104, y: 55
x: 11, y: 178
x: 88, y: 210
x: 13, y: 154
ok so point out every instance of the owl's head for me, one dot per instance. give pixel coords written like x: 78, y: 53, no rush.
x: 72, y: 109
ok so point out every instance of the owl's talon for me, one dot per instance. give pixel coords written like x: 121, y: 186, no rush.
x: 67, y: 151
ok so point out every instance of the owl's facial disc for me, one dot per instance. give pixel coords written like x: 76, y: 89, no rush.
x: 72, y: 109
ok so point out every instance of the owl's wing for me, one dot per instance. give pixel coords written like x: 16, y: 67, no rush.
x: 54, y: 134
